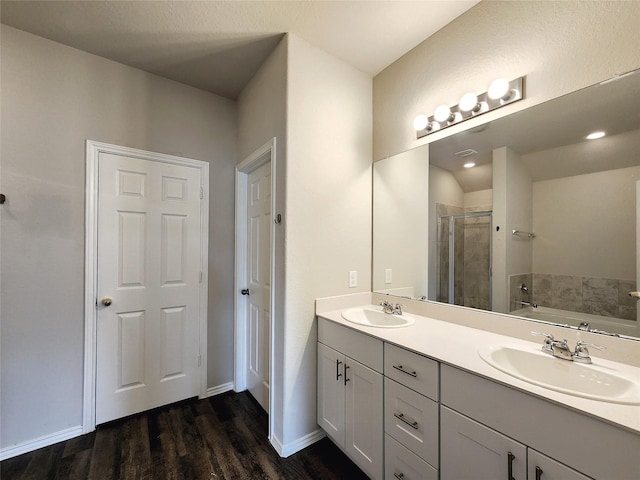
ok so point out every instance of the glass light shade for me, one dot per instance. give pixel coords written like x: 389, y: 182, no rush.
x: 442, y: 113
x: 498, y: 89
x: 420, y: 122
x: 469, y: 165
x: 468, y: 102
x: 594, y: 135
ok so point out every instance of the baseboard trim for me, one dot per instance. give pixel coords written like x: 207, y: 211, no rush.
x: 40, y: 442
x: 297, y: 445
x: 217, y: 390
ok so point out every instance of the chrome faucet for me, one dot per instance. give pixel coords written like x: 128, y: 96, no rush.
x: 387, y: 307
x: 560, y: 348
x: 529, y: 304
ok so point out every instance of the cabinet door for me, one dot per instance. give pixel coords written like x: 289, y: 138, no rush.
x: 471, y: 451
x: 331, y: 391
x: 364, y: 432
x: 542, y: 467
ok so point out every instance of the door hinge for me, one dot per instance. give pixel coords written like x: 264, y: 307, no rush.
x: 201, y: 193
x: 200, y: 277
x: 199, y: 360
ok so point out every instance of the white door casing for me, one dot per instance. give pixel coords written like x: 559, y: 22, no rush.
x: 264, y: 155
x: 147, y: 220
x: 258, y: 277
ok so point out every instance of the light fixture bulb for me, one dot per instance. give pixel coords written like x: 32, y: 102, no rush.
x: 499, y: 88
x: 468, y: 102
x: 433, y: 126
x: 420, y: 122
x: 442, y: 113
x: 469, y: 165
x: 594, y: 135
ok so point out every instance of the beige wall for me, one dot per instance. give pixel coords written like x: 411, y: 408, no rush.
x: 512, y: 210
x: 401, y: 222
x: 262, y: 115
x: 53, y: 99
x: 585, y: 225
x: 328, y: 217
x: 559, y: 46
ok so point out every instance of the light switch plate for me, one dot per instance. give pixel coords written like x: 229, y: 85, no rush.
x: 387, y: 275
x: 353, y: 278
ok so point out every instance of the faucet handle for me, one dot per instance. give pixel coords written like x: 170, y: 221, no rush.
x: 581, y: 353
x: 582, y: 344
x: 548, y: 341
x: 548, y: 337
x: 398, y: 308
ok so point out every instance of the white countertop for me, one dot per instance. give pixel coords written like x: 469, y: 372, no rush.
x: 458, y: 346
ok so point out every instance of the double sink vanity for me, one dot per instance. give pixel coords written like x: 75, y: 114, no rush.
x: 449, y: 393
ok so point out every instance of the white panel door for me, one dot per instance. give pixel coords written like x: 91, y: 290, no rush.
x: 259, y: 278
x: 148, y: 285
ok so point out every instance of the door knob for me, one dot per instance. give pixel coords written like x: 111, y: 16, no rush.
x: 244, y: 291
x: 106, y: 301
x: 635, y: 295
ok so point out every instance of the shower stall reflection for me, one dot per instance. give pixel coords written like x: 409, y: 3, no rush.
x: 464, y: 259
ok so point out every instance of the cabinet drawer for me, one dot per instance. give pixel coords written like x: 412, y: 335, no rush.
x: 415, y: 371
x: 401, y: 463
x: 412, y: 419
x: 363, y: 348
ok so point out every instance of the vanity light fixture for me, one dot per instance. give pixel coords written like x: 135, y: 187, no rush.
x: 594, y: 135
x: 501, y: 92
x: 469, y: 165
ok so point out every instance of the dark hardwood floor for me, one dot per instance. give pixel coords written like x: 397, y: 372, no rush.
x: 222, y: 437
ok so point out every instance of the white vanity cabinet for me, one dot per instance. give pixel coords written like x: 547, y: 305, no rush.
x: 350, y: 394
x: 411, y: 415
x: 482, y: 420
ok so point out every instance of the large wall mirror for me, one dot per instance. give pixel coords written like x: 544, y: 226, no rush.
x: 545, y: 226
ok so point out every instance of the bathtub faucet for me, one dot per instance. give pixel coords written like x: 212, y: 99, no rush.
x: 529, y: 304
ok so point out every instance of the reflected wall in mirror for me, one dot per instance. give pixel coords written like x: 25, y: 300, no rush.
x: 545, y: 225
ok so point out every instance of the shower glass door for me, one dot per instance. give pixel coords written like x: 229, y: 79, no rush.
x: 464, y: 259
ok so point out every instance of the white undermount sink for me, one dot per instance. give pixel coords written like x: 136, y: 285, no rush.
x: 372, y: 317
x: 597, y: 382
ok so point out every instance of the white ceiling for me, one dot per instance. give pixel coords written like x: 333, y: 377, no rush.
x: 219, y: 45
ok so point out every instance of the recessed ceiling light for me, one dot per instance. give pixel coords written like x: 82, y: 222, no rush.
x: 469, y: 165
x: 594, y: 135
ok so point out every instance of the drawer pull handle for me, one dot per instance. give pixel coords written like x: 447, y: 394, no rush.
x: 510, y: 458
x: 402, y: 418
x: 338, y: 374
x: 401, y: 368
x: 539, y: 473
x: 346, y: 367
x: 399, y: 476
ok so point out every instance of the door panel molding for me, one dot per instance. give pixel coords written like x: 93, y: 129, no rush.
x: 92, y: 152
x: 266, y: 153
